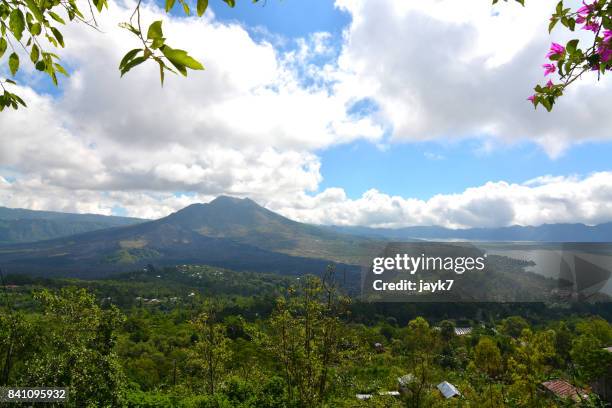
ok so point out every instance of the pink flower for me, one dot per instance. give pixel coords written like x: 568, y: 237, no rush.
x: 605, y: 53
x: 532, y: 98
x: 549, y: 69
x: 607, y: 35
x: 594, y: 27
x: 550, y: 84
x: 585, y: 10
x: 580, y: 20
x: 555, y: 49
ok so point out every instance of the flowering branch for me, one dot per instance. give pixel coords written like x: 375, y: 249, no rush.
x: 570, y: 61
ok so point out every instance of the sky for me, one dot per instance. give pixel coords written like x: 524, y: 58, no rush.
x: 351, y: 112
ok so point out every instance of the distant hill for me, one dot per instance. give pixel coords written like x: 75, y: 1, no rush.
x: 542, y: 233
x: 231, y: 233
x: 20, y: 225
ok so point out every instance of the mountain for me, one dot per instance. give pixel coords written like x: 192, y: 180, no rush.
x: 228, y: 232
x: 244, y: 221
x: 542, y: 233
x: 20, y: 225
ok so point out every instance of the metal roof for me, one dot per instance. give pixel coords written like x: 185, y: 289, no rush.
x: 448, y: 390
x: 564, y: 389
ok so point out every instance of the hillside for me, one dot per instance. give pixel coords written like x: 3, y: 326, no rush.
x: 20, y: 225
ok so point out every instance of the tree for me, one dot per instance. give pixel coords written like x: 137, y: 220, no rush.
x: 78, y: 349
x: 488, y: 360
x: 420, y: 348
x: 34, y: 28
x: 306, y: 335
x: 513, y: 326
x: 16, y: 335
x: 529, y: 365
x: 591, y: 360
x: 211, y: 351
x: 447, y: 330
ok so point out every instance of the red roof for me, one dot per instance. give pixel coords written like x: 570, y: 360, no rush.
x: 564, y: 389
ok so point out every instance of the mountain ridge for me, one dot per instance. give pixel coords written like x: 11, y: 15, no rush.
x: 563, y: 232
x: 18, y: 225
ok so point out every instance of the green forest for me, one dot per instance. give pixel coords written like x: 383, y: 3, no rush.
x: 199, y: 336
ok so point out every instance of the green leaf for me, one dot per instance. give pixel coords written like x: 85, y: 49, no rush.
x: 132, y: 64
x: 3, y: 45
x: 181, y: 60
x: 161, y: 72
x: 128, y: 57
x: 202, y: 6
x: 230, y: 3
x: 36, y: 29
x: 155, y: 31
x: 17, y: 23
x: 58, y: 36
x: 99, y: 4
x: 169, y: 5
x: 13, y: 63
x: 56, y: 17
x: 41, y: 66
x: 157, y: 43
x: 35, y: 10
x: 571, y: 46
x: 185, y: 7
x: 60, y: 69
x: 34, y: 53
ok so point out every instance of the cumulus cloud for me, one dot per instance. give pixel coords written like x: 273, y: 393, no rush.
x: 494, y: 204
x: 455, y: 69
x: 247, y: 124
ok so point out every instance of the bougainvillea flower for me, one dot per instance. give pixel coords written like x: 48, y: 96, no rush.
x: 605, y: 52
x: 585, y: 10
x: 594, y: 27
x: 549, y: 69
x: 555, y: 49
x: 607, y: 35
x: 532, y: 98
x: 550, y: 84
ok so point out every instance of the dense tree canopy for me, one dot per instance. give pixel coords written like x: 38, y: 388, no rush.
x: 253, y: 340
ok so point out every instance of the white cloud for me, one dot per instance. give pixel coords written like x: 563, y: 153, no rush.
x: 453, y: 69
x: 549, y: 200
x: 246, y: 126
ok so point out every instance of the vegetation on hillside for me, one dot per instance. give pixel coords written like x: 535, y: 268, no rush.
x: 197, y: 336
